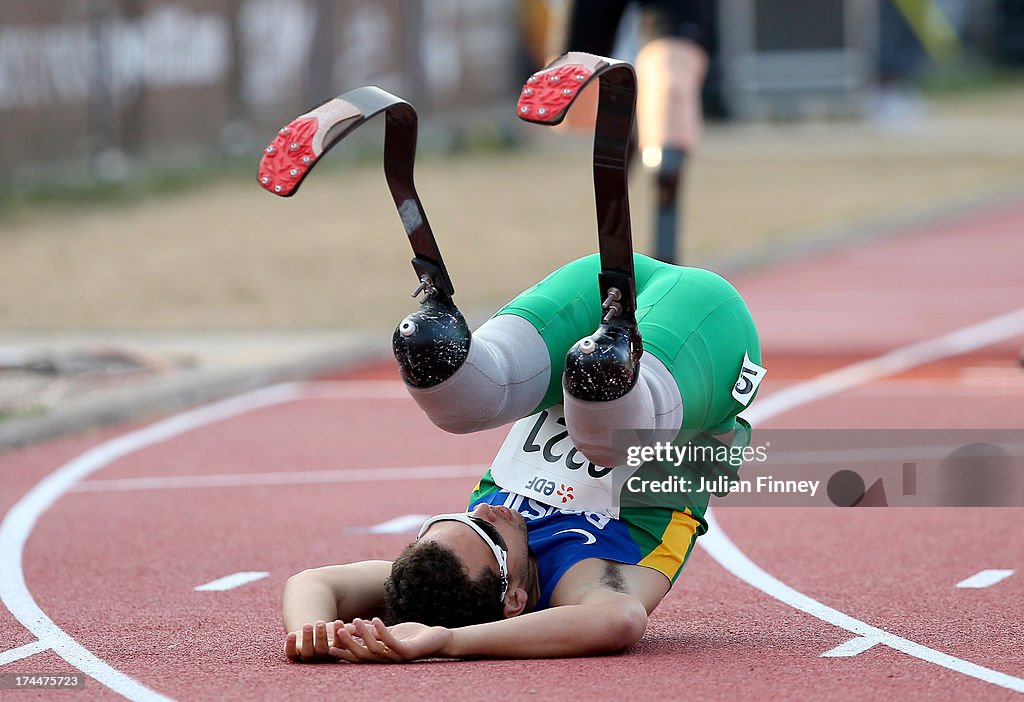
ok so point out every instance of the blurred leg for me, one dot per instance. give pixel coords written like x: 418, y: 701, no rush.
x: 671, y: 72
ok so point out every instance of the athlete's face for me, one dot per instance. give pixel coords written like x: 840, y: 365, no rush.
x: 507, y: 529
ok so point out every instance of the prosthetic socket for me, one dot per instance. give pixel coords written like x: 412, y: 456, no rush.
x: 503, y: 375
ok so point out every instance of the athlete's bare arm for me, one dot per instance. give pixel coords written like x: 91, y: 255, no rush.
x: 597, y: 608
x: 319, y: 595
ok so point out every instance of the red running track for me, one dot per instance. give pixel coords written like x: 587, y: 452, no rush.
x: 112, y: 564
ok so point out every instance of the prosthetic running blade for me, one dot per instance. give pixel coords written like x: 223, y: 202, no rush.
x: 605, y: 365
x: 300, y: 145
x: 545, y: 99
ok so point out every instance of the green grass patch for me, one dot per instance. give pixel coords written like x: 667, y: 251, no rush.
x: 142, y: 183
x: 9, y: 413
x: 363, y: 149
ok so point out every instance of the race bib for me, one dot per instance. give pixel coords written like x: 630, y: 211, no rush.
x: 539, y: 461
x: 750, y: 377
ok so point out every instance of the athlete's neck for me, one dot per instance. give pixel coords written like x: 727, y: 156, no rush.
x: 534, y: 589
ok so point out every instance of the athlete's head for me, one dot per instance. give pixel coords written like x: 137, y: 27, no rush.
x: 463, y: 569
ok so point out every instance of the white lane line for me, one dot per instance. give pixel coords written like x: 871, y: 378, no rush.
x: 22, y: 518
x: 853, y: 647
x: 718, y: 545
x: 16, y: 654
x: 737, y: 563
x: 399, y: 525
x: 230, y: 582
x: 350, y: 475
x: 985, y: 578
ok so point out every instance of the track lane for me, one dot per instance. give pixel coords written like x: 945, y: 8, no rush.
x: 690, y: 623
x: 976, y: 274
x: 317, y: 524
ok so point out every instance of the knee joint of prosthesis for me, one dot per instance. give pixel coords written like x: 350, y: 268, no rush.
x: 605, y: 365
x: 431, y: 343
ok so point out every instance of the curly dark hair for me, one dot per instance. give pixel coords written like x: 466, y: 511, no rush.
x: 430, y: 585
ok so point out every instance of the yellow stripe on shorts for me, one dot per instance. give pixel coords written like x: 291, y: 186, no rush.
x: 676, y: 541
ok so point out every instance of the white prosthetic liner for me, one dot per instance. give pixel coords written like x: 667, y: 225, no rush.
x: 502, y: 380
x: 654, y: 403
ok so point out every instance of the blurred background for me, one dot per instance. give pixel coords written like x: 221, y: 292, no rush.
x: 136, y: 246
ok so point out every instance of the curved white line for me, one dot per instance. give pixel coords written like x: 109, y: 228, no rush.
x: 718, y: 545
x: 21, y: 519
x: 736, y: 562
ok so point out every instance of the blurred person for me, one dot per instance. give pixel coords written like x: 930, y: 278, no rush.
x: 676, y: 38
x: 554, y: 557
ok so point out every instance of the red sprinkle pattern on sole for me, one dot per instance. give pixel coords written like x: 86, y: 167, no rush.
x: 547, y: 94
x: 288, y: 158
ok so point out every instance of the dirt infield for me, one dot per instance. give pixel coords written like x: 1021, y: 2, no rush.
x: 232, y: 257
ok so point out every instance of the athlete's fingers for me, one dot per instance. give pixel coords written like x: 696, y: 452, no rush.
x: 337, y: 626
x: 359, y: 652
x: 369, y: 636
x: 290, y: 651
x: 388, y: 638
x: 320, y: 642
x: 379, y: 628
x: 396, y: 649
x: 306, y: 647
x: 363, y: 630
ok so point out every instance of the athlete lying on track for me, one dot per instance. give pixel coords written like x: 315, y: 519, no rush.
x: 518, y: 575
x: 610, y: 342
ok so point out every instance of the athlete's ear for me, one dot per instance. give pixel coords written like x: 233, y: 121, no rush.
x: 515, y: 602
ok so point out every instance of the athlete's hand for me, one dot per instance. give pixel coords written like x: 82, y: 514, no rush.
x: 312, y: 643
x: 373, y: 642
